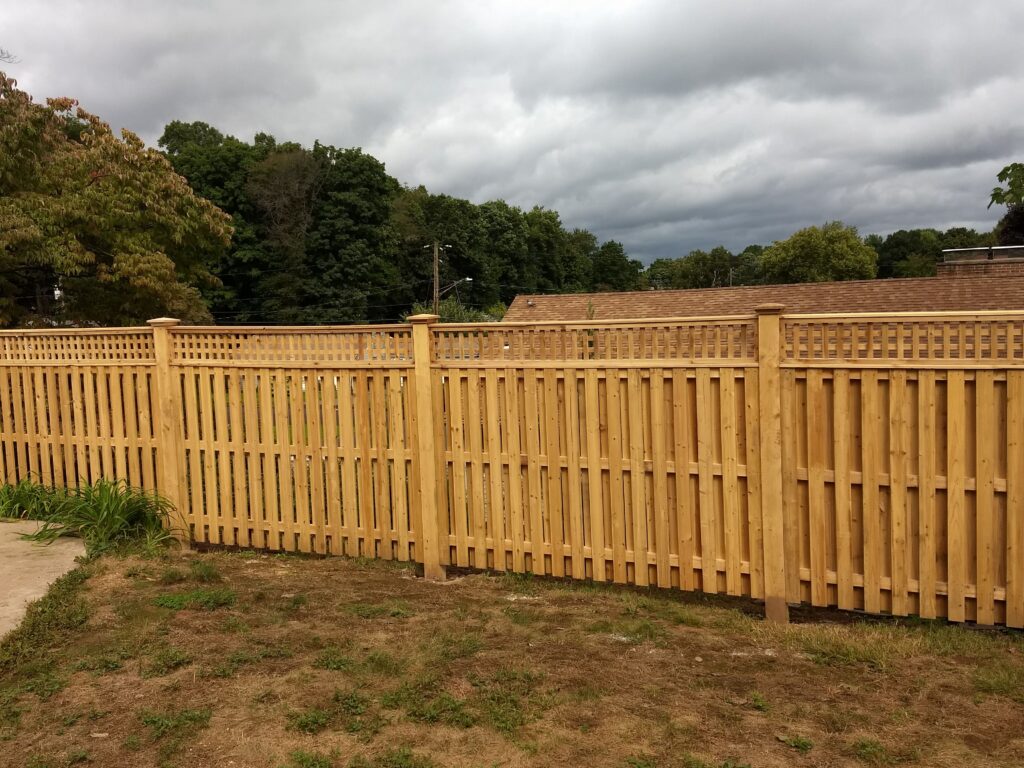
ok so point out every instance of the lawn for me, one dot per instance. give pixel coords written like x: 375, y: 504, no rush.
x: 242, y: 659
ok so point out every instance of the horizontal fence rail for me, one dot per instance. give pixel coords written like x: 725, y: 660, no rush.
x: 867, y: 462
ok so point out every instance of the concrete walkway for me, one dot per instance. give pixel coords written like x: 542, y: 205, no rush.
x: 27, y: 569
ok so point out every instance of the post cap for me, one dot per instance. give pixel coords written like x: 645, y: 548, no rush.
x: 425, y: 318
x: 769, y: 309
x: 163, y: 322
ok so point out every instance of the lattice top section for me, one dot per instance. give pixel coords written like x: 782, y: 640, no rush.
x: 315, y: 346
x: 954, y: 338
x: 81, y: 347
x: 733, y: 339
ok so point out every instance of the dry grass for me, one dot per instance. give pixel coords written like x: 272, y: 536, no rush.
x: 220, y: 659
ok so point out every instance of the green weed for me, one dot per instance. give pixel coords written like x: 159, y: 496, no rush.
x: 170, y: 723
x: 383, y: 663
x: 204, y: 572
x: 172, y: 576
x: 202, y: 599
x: 1001, y: 680
x: 396, y: 758
x: 449, y: 646
x: 44, y: 685
x: 506, y: 700
x: 872, y: 752
x: 171, y: 729
x: 311, y: 720
x: 759, y: 702
x: 424, y: 703
x: 390, y: 608
x: 799, y: 743
x: 301, y: 759
x: 165, y: 661
x: 332, y: 658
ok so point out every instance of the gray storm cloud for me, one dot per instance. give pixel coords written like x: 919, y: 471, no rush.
x: 667, y: 125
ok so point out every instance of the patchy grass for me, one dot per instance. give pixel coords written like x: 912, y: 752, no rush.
x: 285, y: 662
x: 166, y: 660
x: 49, y: 622
x: 196, y: 599
x: 390, y: 608
x: 1001, y: 680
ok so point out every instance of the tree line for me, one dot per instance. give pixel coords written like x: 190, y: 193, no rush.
x: 98, y: 229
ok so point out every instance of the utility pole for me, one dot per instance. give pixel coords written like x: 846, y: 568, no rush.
x: 437, y: 276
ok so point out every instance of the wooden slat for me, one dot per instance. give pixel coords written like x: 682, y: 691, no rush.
x: 986, y: 431
x: 873, y: 543
x: 615, y: 486
x: 662, y: 528
x: 841, y: 486
x: 817, y: 459
x: 573, y: 449
x: 682, y: 449
x: 1015, y: 499
x: 531, y: 415
x: 595, y: 425
x: 732, y: 528
x: 516, y: 517
x: 956, y: 523
x: 637, y: 479
x: 705, y: 492
x: 927, y: 535
x: 899, y: 517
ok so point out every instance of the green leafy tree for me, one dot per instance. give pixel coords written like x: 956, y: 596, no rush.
x: 452, y: 310
x: 614, y: 270
x: 963, y: 237
x: 586, y: 260
x: 816, y: 254
x: 1013, y: 193
x: 218, y: 168
x: 1010, y: 229
x: 96, y: 219
x: 707, y: 269
x: 547, y: 248
x: 909, y: 253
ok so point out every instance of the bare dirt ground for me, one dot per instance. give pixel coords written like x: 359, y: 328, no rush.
x: 27, y: 569
x: 250, y: 660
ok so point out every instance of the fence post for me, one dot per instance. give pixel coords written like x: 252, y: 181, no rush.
x: 769, y: 322
x: 167, y: 429
x: 432, y: 536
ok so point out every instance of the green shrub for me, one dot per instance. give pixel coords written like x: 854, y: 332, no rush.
x: 106, y: 514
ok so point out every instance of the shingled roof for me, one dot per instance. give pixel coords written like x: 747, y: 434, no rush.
x: 912, y: 294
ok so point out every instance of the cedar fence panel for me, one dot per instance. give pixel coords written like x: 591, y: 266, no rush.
x: 868, y: 462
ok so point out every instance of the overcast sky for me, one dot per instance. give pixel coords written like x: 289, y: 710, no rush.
x: 667, y: 125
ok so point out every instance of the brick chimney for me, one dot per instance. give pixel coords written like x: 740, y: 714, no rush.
x: 994, y: 260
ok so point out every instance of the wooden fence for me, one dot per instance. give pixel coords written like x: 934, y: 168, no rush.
x: 870, y: 462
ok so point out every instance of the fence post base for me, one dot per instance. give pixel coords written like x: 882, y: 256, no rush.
x: 432, y: 534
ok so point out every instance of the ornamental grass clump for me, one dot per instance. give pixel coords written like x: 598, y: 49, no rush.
x: 106, y: 515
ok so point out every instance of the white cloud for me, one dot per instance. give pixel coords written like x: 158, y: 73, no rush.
x: 668, y: 125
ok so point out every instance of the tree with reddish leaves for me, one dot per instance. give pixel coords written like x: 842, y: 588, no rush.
x: 95, y: 229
